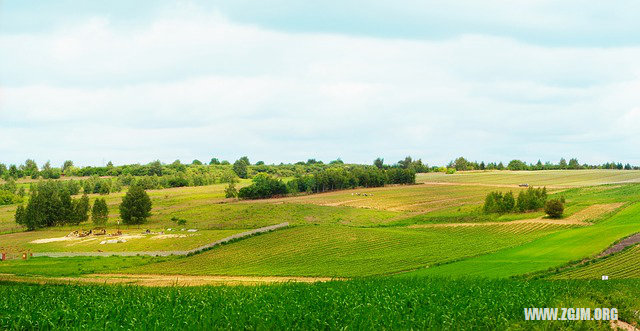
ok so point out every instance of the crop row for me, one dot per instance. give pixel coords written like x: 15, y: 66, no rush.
x: 348, y: 252
x: 622, y: 265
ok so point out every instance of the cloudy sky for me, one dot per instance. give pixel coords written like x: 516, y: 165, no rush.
x: 135, y: 81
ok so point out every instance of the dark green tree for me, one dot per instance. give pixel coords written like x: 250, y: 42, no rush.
x: 379, y: 163
x: 135, y: 206
x: 100, y: 212
x: 240, y: 168
x: 554, y: 208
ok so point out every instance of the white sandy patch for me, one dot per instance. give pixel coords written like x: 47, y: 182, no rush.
x: 169, y: 236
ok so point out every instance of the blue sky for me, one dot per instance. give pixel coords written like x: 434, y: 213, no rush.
x: 135, y: 81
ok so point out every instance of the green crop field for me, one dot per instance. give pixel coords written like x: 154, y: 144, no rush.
x: 429, y: 303
x: 346, y: 252
x: 625, y: 264
x: 547, y: 252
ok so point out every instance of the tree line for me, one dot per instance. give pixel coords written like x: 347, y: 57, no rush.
x: 51, y: 203
x: 462, y: 164
x: 532, y: 199
x: 266, y: 186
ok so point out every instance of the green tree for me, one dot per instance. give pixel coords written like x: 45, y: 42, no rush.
x: 574, y: 164
x: 517, y: 165
x: 80, y: 210
x: 30, y: 168
x: 135, y: 206
x: 100, y: 212
x: 240, y: 168
x: 554, y: 208
x: 196, y: 162
x: 230, y: 191
x: 562, y: 164
x: 214, y: 161
x: 379, y: 163
x: 67, y: 165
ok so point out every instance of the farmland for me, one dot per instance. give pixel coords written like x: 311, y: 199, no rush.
x: 464, y: 304
x: 551, y: 178
x: 419, y: 244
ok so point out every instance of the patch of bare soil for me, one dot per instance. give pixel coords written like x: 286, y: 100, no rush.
x: 165, y: 280
x: 580, y: 218
x: 622, y: 325
x: 624, y: 243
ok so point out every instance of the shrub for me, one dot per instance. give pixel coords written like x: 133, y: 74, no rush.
x: 230, y: 191
x: 554, y: 208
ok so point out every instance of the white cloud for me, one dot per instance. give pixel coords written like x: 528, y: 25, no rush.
x: 194, y: 85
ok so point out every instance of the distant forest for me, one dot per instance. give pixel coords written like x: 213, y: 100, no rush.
x: 202, y: 173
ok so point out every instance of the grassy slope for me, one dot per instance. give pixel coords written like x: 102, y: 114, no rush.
x: 537, y: 178
x: 346, y: 252
x: 73, y: 266
x: 358, y: 305
x: 625, y: 264
x: 547, y: 252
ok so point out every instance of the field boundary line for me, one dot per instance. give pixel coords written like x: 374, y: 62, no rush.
x: 169, y: 253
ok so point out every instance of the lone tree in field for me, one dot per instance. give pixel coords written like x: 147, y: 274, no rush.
x: 100, y: 212
x: 554, y: 208
x: 135, y: 206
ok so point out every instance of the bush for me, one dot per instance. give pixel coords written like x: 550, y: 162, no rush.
x: 554, y: 208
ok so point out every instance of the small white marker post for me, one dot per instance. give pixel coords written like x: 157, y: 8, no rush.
x: 605, y: 277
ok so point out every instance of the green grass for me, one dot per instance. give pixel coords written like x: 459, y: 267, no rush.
x: 547, y: 252
x: 562, y: 178
x: 72, y: 266
x: 625, y: 264
x: 359, y: 305
x: 347, y: 252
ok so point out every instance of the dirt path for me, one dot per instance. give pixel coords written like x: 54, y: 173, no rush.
x: 168, y: 253
x: 164, y: 280
x: 580, y: 218
x: 624, y: 243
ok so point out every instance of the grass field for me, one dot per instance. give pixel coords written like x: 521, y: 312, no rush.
x: 465, y: 304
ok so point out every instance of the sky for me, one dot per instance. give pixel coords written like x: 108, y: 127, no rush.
x: 284, y: 81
